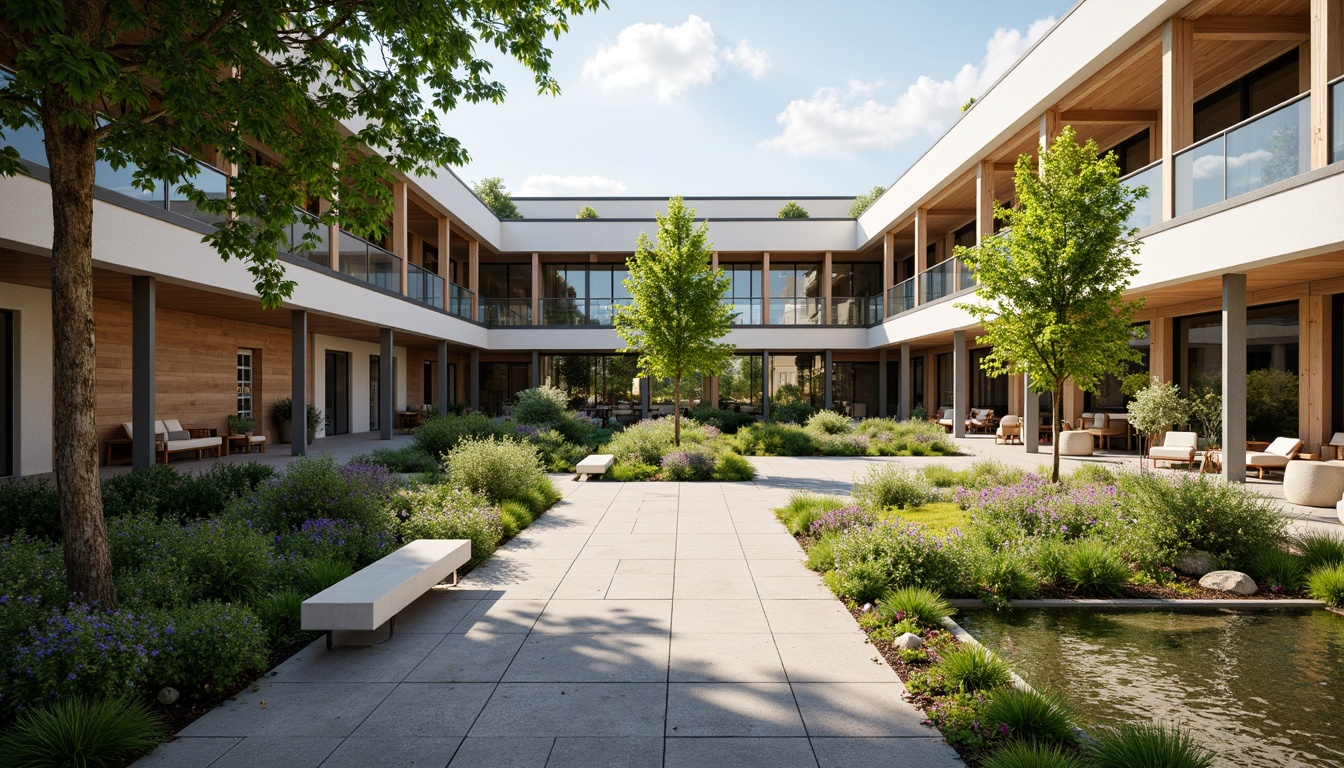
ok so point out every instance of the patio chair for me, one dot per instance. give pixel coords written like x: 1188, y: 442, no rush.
x: 1177, y: 447
x: 944, y: 420
x: 981, y: 420
x: 1276, y: 456
x: 1101, y: 428
x: 1009, y: 430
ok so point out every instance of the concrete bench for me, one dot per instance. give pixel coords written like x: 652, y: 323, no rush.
x: 597, y: 464
x: 373, y: 596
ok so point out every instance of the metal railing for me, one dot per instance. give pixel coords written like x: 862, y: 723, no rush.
x: 506, y: 312
x: 856, y: 310
x: 795, y: 311
x: 938, y: 281
x: 745, y: 311
x: 1147, y: 211
x: 1272, y: 146
x: 460, y: 300
x: 572, y: 312
x: 424, y: 286
x: 365, y: 261
x: 901, y: 297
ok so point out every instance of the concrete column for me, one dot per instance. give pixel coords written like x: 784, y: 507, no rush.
x: 142, y: 371
x: 474, y: 379
x: 882, y: 383
x: 1234, y: 378
x: 536, y: 369
x: 645, y: 396
x: 827, y: 387
x: 906, y: 386
x: 765, y: 385
x: 387, y: 399
x: 442, y: 366
x: 1178, y: 98
x: 298, y: 380
x: 959, y: 361
x: 1031, y: 416
x: 1326, y: 63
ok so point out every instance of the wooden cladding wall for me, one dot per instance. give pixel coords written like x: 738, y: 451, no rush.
x: 197, y: 374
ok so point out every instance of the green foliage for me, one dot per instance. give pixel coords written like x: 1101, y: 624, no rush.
x: 1205, y: 415
x: 642, y: 443
x: 1157, y: 407
x: 970, y: 668
x: 587, y: 212
x: 983, y: 473
x: 541, y: 407
x: 1051, y: 290
x: 538, y: 497
x: 1095, y: 568
x: 692, y: 464
x: 81, y: 732
x: 804, y: 509
x: 282, y: 412
x: 1276, y: 568
x: 318, y: 573
x: 407, y: 459
x: 215, y: 645
x: 732, y: 468
x: 864, y: 202
x: 796, y: 412
x: 887, y: 437
x: 451, y: 512
x: 1320, y: 548
x: 770, y: 439
x: 821, y: 555
x: 492, y: 192
x: 632, y: 472
x: 1031, y: 716
x: 558, y: 454
x: 440, y: 434
x: 892, y: 485
x: 163, y: 564
x: 325, y: 538
x: 496, y: 469
x: 792, y: 210
x: 727, y: 422
x: 514, y: 517
x: 862, y: 581
x: 169, y: 494
x: 313, y: 487
x: 676, y: 317
x: 1148, y: 744
x: 1271, y: 404
x: 1031, y: 754
x: 32, y: 582
x: 1326, y: 583
x: 869, y: 561
x: 30, y: 506
x: 918, y: 603
x: 1005, y: 574
x: 829, y: 423
x: 280, y: 613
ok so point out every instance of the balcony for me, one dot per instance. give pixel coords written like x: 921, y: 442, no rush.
x: 938, y: 281
x: 1272, y: 146
x: 1147, y: 211
x: 506, y: 312
x: 745, y: 311
x: 365, y: 261
x: 424, y: 286
x: 901, y: 297
x: 460, y: 300
x: 863, y: 311
x: 305, y: 229
x: 578, y: 312
x: 1337, y: 120
x: 795, y: 311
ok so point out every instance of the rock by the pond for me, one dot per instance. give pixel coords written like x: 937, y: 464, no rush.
x: 1195, y: 563
x: 908, y: 642
x: 867, y: 608
x: 1235, y: 582
x: 168, y: 695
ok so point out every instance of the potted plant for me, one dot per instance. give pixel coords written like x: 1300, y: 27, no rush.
x: 241, y: 425
x: 283, y: 414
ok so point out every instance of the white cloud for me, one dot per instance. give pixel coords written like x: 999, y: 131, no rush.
x: 670, y: 60
x: 854, y: 118
x: 549, y: 185
x: 750, y: 60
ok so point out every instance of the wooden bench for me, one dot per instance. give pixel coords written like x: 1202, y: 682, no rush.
x: 373, y: 596
x: 597, y: 464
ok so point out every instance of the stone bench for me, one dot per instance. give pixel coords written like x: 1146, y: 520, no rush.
x: 374, y: 595
x: 597, y: 464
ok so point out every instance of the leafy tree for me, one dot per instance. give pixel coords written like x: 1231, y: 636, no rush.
x: 492, y: 192
x: 1051, y: 295
x: 677, y: 315
x: 587, y: 212
x: 864, y: 202
x: 130, y: 82
x: 792, y: 210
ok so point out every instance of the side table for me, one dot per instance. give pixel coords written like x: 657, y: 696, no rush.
x: 242, y: 442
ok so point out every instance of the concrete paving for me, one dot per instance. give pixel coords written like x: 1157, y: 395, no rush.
x: 634, y: 625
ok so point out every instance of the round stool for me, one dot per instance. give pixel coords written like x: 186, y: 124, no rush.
x: 1076, y: 442
x: 1314, y: 483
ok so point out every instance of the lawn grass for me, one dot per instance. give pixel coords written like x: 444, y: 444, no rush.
x: 939, y: 516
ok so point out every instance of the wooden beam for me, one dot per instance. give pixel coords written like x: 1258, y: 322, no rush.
x: 1178, y: 85
x: 921, y: 249
x: 888, y: 261
x: 1148, y: 46
x: 964, y: 213
x: 984, y: 200
x: 1005, y: 167
x: 1327, y: 63
x: 1109, y: 116
x: 1253, y: 28
x: 401, y: 245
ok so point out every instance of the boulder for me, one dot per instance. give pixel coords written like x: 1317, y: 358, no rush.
x: 168, y: 695
x: 908, y: 642
x: 1195, y: 563
x: 1235, y: 582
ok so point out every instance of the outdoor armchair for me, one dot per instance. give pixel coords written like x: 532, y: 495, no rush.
x: 1177, y: 447
x: 981, y: 420
x: 1009, y: 430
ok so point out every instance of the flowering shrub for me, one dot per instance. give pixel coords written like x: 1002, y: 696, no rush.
x: 440, y: 434
x: 82, y: 649
x: 496, y: 469
x: 871, y: 560
x: 214, y: 644
x: 647, y: 441
x: 314, y: 487
x: 525, y: 430
x: 688, y: 465
x: 448, y: 512
x: 541, y: 406
x: 337, y: 540
x: 842, y: 519
x: 162, y: 564
x: 1036, y: 508
x: 892, y: 485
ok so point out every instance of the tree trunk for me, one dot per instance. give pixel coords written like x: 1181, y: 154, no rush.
x: 676, y: 411
x: 70, y: 157
x: 1055, y: 413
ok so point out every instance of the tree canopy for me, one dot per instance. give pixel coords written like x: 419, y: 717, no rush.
x: 493, y: 193
x: 865, y: 201
x: 587, y: 212
x: 1052, y: 284
x: 677, y: 316
x: 792, y: 210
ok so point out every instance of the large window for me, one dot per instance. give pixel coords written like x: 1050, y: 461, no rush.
x: 500, y: 385
x: 797, y: 378
x: 582, y: 294
x: 945, y: 388
x: 740, y: 384
x: 1264, y: 88
x: 506, y: 294
x: 8, y: 393
x: 744, y: 293
x: 244, y: 403
x: 1108, y: 397
x: 987, y: 391
x: 854, y: 388
x: 601, y: 386
x: 795, y: 295
x: 1133, y: 153
x: 855, y: 294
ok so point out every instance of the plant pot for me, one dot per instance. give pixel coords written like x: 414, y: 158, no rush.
x: 312, y: 435
x: 286, y: 430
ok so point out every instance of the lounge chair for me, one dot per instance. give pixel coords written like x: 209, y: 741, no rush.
x: 944, y: 420
x: 1101, y: 428
x: 1177, y: 447
x: 171, y: 437
x: 1276, y: 456
x: 1009, y: 430
x: 981, y: 420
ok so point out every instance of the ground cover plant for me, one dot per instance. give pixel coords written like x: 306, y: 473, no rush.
x: 826, y: 433
x: 648, y: 450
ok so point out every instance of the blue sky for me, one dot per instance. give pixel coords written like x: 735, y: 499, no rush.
x: 744, y: 98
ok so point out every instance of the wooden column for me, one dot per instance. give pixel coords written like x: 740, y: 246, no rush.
x: 1016, y: 392
x: 474, y: 277
x: 536, y: 289
x: 984, y: 200
x: 714, y: 261
x: 765, y: 288
x: 333, y: 238
x: 1315, y: 415
x: 1050, y: 128
x: 1161, y: 348
x: 401, y: 230
x: 445, y: 267
x: 1327, y: 63
x: 1178, y: 103
x: 826, y: 288
x: 921, y: 251
x: 888, y: 261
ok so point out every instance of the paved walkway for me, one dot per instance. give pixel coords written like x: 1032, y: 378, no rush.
x: 640, y: 624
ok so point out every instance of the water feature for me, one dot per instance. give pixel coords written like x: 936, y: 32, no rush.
x: 1260, y: 688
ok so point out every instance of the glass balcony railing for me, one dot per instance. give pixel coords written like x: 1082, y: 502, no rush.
x: 795, y: 311
x: 1337, y: 121
x: 1147, y: 211
x: 1269, y: 147
x: 856, y: 310
x: 460, y: 300
x: 901, y: 297
x: 938, y: 281
x: 506, y: 312
x: 424, y: 286
x: 576, y: 311
x: 307, y: 227
x: 745, y: 311
x: 965, y: 278
x: 365, y: 261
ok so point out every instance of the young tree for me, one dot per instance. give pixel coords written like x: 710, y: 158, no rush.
x: 1051, y: 295
x: 587, y: 212
x: 792, y: 210
x: 131, y: 82
x: 865, y: 201
x: 492, y: 192
x: 677, y: 315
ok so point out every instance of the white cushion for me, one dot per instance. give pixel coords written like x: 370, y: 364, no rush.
x: 1181, y: 440
x: 256, y: 438
x: 1265, y: 459
x: 1010, y: 421
x: 126, y: 425
x: 195, y: 443
x: 1098, y: 421
x: 1284, y: 446
x: 173, y: 425
x: 1337, y: 439
x: 1171, y: 453
x: 160, y: 428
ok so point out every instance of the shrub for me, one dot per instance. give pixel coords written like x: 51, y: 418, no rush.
x: 1320, y: 549
x: 1095, y: 568
x: 81, y: 732
x: 1034, y: 507
x: 1048, y: 556
x: 918, y: 603
x: 1276, y: 568
x: 539, y: 497
x: 280, y: 613
x: 888, y: 437
x: 440, y: 434
x: 791, y: 413
x: 644, y: 442
x: 633, y: 472
x: 841, y: 445
x: 732, y: 468
x: 869, y: 561
x: 829, y: 423
x: 688, y: 465
x: 1153, y: 744
x: 448, y: 512
x: 769, y: 439
x: 1031, y: 716
x: 1030, y: 754
x: 1167, y: 516
x: 557, y: 454
x: 861, y: 581
x: 1005, y: 574
x: 805, y: 508
x: 892, y: 485
x: 727, y: 422
x: 319, y: 573
x: 514, y: 517
x: 408, y: 459
x: 821, y: 554
x: 30, y: 506
x: 154, y: 490
x: 540, y: 407
x: 494, y: 468
x: 970, y: 668
x: 842, y: 519
x: 32, y: 581
x: 214, y: 645
x: 336, y: 539
x: 316, y: 487
x: 1271, y: 403
x: 1326, y: 583
x: 162, y: 564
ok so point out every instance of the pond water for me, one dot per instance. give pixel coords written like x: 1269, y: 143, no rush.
x: 1260, y: 688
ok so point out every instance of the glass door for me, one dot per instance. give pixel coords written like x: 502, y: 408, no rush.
x: 337, y: 413
x: 374, y: 377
